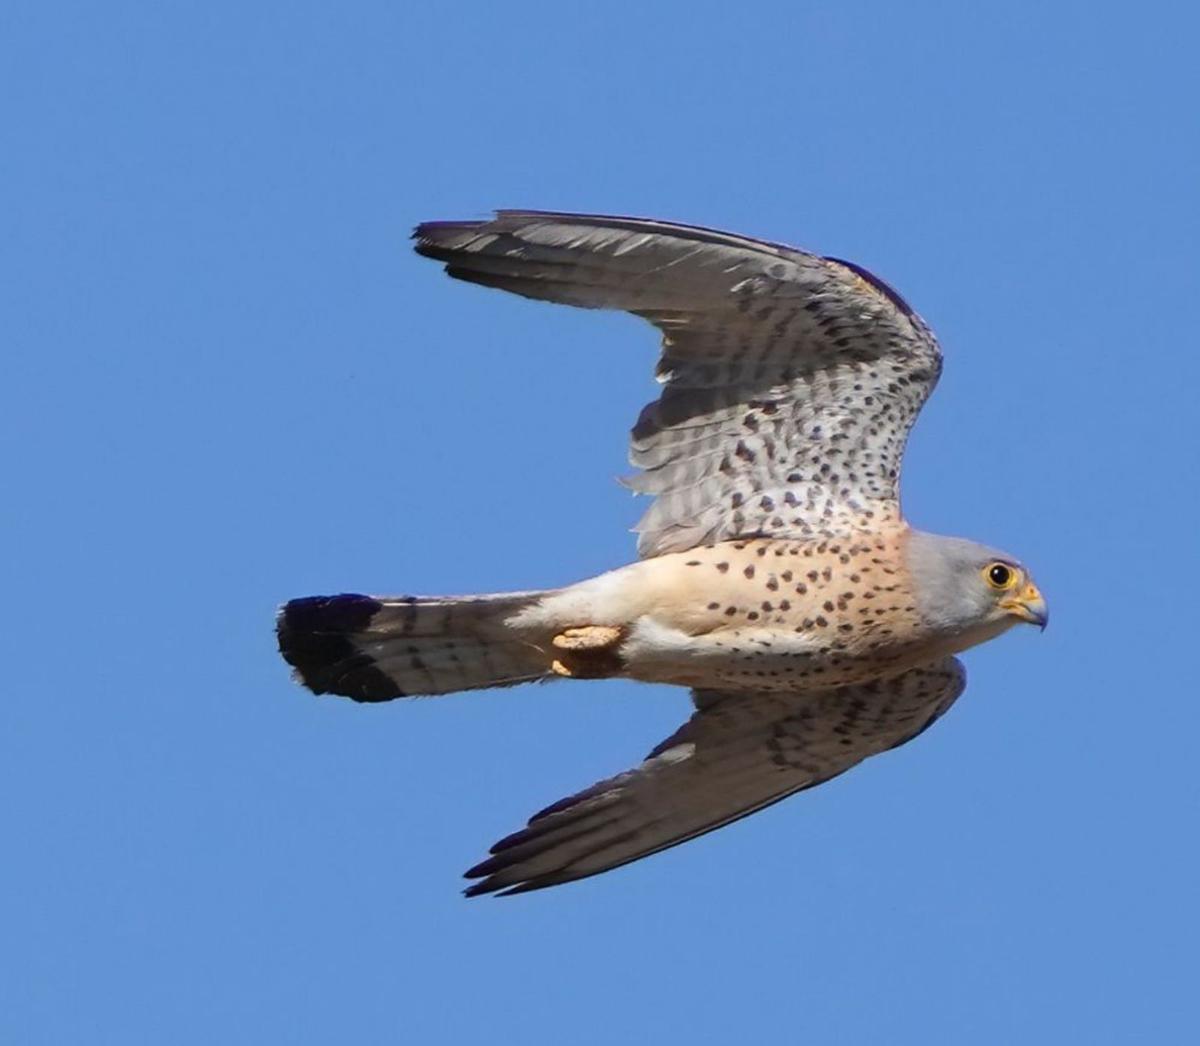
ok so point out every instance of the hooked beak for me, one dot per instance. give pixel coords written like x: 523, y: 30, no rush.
x: 1029, y: 606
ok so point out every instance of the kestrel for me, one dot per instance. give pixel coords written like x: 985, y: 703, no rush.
x: 777, y: 577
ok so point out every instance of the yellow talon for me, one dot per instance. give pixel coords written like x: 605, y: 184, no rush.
x: 559, y: 669
x: 588, y: 637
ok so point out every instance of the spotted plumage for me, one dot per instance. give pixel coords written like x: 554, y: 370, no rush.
x: 777, y: 579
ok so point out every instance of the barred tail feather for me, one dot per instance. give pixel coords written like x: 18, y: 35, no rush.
x: 378, y: 648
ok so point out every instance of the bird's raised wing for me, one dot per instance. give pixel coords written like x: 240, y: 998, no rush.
x: 790, y: 381
x: 739, y: 753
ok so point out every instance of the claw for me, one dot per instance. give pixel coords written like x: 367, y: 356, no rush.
x: 587, y: 638
x: 588, y: 652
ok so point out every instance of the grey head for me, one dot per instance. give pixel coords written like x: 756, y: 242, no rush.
x: 968, y: 592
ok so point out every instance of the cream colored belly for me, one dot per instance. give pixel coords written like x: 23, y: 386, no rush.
x: 752, y: 615
x: 752, y: 659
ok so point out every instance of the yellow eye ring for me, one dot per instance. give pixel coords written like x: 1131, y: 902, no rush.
x: 1000, y: 576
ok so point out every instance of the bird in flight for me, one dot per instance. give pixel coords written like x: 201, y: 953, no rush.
x: 777, y: 578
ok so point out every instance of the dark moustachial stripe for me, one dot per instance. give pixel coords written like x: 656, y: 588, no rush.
x: 317, y: 637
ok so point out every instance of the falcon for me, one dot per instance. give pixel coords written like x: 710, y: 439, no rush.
x: 777, y: 578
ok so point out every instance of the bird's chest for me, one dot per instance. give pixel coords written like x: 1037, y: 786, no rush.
x: 786, y: 614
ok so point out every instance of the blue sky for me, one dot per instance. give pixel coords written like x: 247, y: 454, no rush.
x: 230, y: 382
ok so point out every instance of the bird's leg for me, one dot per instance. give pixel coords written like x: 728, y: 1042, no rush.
x: 587, y: 652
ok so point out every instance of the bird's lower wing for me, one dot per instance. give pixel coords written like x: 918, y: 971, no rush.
x: 739, y: 753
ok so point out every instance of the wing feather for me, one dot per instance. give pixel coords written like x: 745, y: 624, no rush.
x: 790, y: 380
x: 739, y: 753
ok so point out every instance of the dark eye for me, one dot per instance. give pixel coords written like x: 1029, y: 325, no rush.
x: 999, y: 575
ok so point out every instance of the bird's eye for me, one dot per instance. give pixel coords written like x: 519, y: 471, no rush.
x: 1000, y: 575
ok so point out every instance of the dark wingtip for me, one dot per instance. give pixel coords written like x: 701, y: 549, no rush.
x: 429, y: 237
x: 317, y: 638
x: 495, y: 887
x: 490, y: 887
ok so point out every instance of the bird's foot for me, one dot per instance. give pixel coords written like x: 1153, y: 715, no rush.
x: 589, y: 637
x: 587, y: 652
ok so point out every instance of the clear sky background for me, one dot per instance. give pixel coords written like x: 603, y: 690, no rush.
x: 228, y: 382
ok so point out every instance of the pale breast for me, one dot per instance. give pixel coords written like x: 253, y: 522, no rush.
x: 777, y: 613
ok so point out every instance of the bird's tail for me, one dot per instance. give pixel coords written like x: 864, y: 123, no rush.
x: 377, y: 648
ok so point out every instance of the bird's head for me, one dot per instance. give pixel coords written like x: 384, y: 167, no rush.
x: 964, y: 588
